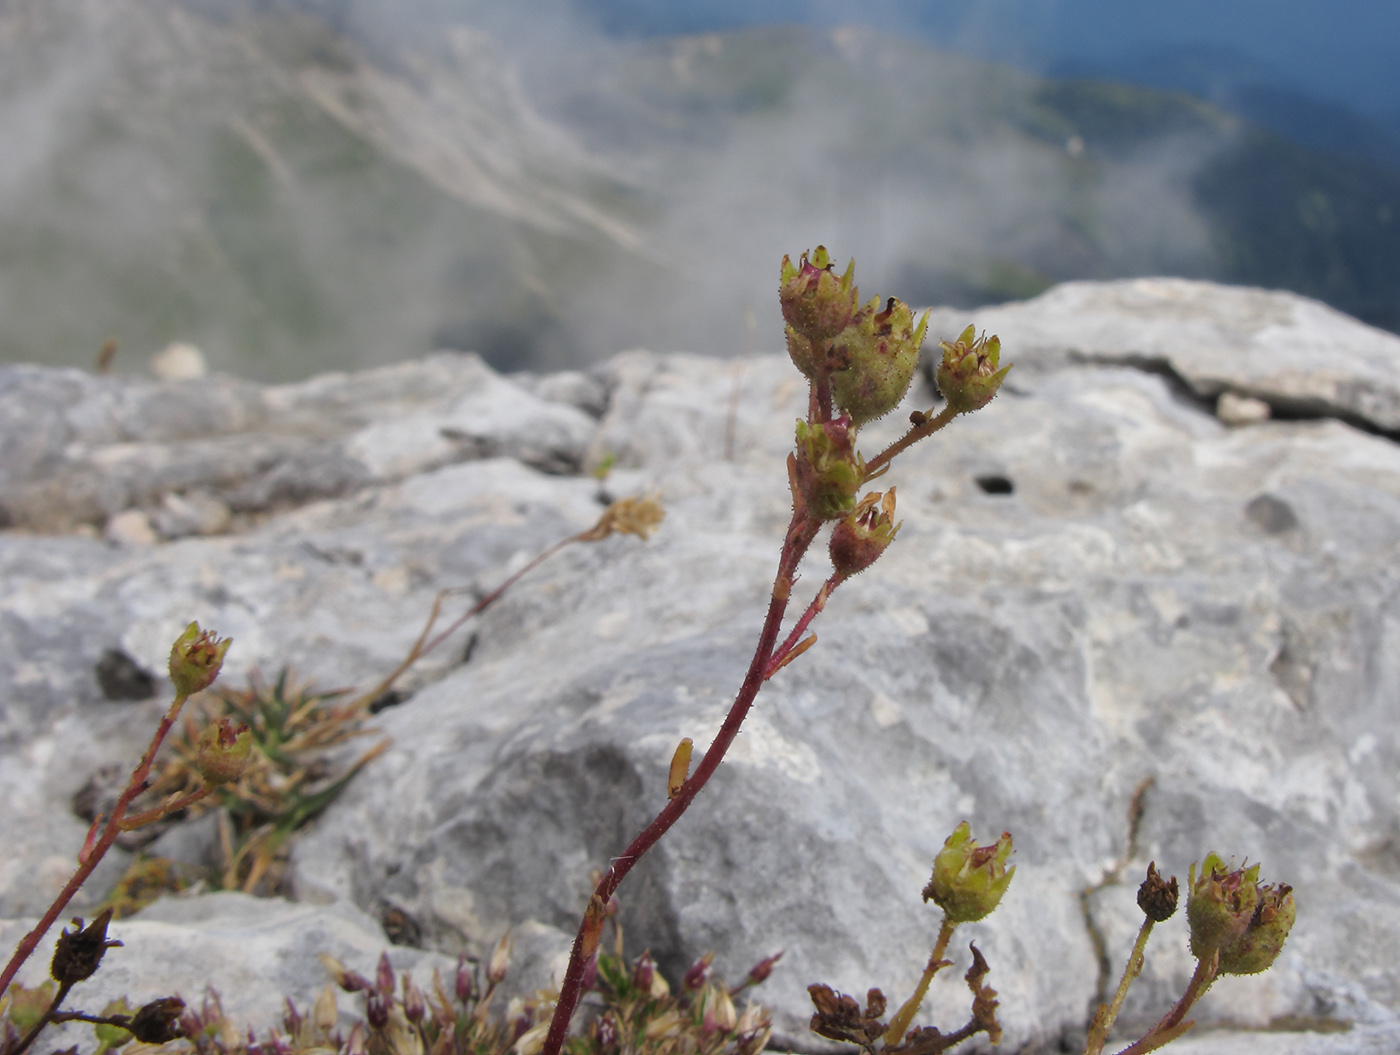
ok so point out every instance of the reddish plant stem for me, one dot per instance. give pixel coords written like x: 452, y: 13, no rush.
x: 813, y: 609
x: 134, y: 787
x: 140, y: 820
x: 1168, y: 1029
x: 801, y: 532
x: 913, y: 436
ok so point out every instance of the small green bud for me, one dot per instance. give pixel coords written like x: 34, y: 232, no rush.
x: 858, y: 541
x: 968, y: 376
x: 828, y: 470
x: 1220, y: 903
x: 195, y: 659
x: 883, y: 350
x: 969, y: 880
x: 223, y: 750
x: 816, y: 303
x: 1258, y: 947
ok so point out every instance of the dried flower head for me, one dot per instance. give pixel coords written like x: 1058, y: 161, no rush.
x: 1156, y: 896
x: 78, y: 953
x: 159, y: 1021
x: 637, y: 515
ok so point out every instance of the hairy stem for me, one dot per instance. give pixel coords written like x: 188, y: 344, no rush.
x: 899, y: 1025
x: 801, y: 532
x: 813, y: 609
x: 174, y: 805
x: 49, y: 1016
x: 94, y: 855
x: 1171, y: 1025
x: 1103, y: 1021
x: 925, y: 428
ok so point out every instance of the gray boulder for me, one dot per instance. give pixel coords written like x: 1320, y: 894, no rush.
x: 1099, y: 587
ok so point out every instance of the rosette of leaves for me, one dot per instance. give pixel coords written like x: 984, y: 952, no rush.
x: 297, y: 766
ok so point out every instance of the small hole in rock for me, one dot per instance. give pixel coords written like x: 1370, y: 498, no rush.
x: 1271, y: 515
x: 996, y: 485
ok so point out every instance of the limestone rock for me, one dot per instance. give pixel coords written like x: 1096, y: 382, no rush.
x: 1098, y: 584
x: 1296, y: 354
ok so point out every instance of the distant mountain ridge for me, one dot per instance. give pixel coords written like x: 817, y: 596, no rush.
x: 297, y: 198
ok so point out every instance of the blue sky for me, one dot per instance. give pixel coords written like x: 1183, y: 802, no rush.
x: 1345, y: 50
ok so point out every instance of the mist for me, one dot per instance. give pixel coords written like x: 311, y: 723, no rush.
x: 333, y: 184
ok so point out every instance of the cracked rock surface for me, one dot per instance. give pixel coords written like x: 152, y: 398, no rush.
x: 1098, y: 582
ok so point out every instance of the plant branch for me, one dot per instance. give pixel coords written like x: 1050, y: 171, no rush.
x: 174, y: 805
x: 801, y: 531
x: 1103, y: 1021
x: 1172, y: 1025
x: 899, y: 1025
x: 922, y: 428
x: 781, y: 653
x: 90, y: 856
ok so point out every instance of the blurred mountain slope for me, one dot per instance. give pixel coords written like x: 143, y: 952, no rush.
x: 294, y: 199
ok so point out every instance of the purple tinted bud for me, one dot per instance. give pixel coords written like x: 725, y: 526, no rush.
x: 643, y: 973
x: 376, y: 1011
x: 760, y: 971
x: 291, y: 1021
x: 384, y: 976
x: 608, y: 1034
x: 699, y: 972
x: 590, y: 973
x: 413, y: 1004
x: 462, y: 984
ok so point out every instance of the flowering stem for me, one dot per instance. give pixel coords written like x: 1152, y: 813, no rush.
x: 818, y: 603
x: 140, y: 820
x: 93, y: 855
x: 899, y: 1025
x: 51, y: 1015
x: 801, y: 531
x: 926, y: 427
x: 1171, y: 1026
x: 1103, y: 1021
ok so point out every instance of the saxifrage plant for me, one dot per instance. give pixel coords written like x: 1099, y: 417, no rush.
x: 859, y: 361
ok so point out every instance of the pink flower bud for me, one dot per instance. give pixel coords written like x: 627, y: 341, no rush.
x: 759, y: 972
x: 462, y: 983
x: 384, y: 976
x: 699, y: 972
